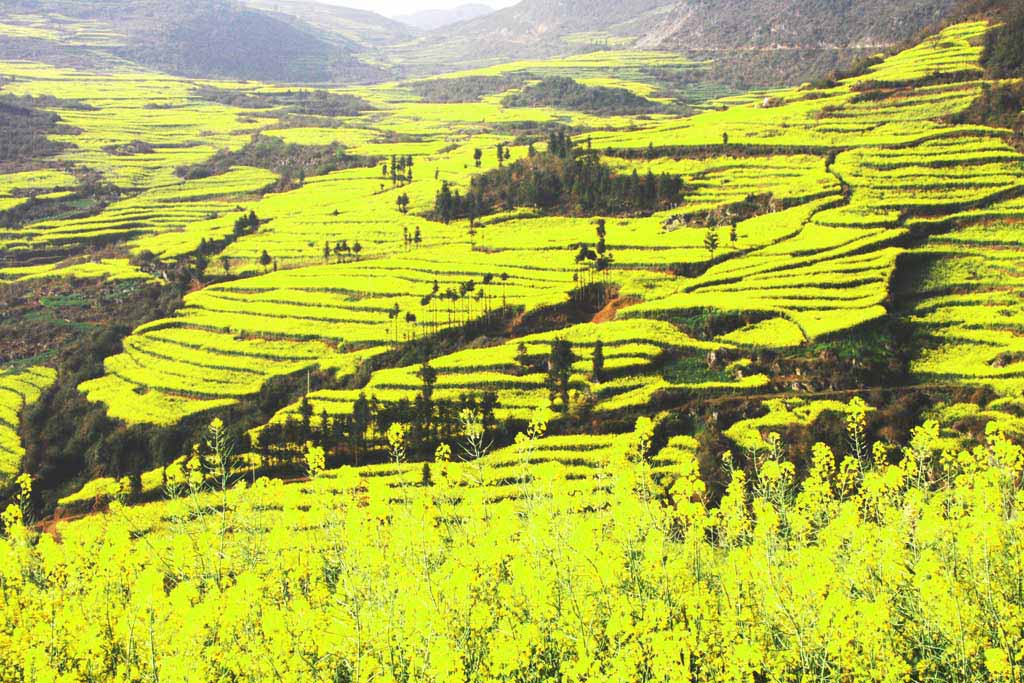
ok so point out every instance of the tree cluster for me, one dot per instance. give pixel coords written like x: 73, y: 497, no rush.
x: 565, y: 93
x: 24, y: 130
x: 399, y: 170
x: 466, y: 89
x: 562, y: 179
x: 300, y: 102
x: 290, y: 161
x: 356, y: 437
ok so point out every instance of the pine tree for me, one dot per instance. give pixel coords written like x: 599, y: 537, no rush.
x: 598, y: 361
x: 711, y: 241
x: 560, y: 371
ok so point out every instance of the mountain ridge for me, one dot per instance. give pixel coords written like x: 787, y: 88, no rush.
x: 432, y: 19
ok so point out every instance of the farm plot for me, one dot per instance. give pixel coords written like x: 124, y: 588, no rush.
x: 135, y: 128
x: 968, y: 309
x: 937, y: 177
x: 723, y: 181
x: 330, y: 316
x: 822, y: 281
x: 18, y: 188
x: 893, y: 104
x: 157, y: 211
x: 18, y: 390
x: 634, y: 354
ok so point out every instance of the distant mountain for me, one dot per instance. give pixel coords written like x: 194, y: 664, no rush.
x: 761, y: 41
x: 531, y: 29
x: 771, y: 42
x: 358, y: 26
x: 792, y: 24
x: 432, y: 19
x: 751, y: 42
x: 198, y: 38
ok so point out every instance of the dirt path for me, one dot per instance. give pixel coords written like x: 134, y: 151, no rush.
x: 612, y: 308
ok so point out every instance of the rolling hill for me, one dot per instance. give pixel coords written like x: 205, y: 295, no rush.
x: 204, y: 38
x: 760, y: 42
x: 524, y: 375
x: 363, y: 28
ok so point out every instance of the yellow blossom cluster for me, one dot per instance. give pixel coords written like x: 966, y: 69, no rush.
x: 871, y: 566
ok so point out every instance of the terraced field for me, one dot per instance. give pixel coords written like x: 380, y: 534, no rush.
x: 17, y: 189
x: 18, y: 390
x: 635, y: 355
x: 816, y: 269
x: 799, y: 208
x: 969, y: 310
x: 156, y: 212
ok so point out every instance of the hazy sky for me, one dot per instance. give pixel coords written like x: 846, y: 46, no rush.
x: 390, y: 8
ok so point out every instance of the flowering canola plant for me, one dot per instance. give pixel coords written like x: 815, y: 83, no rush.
x: 876, y: 566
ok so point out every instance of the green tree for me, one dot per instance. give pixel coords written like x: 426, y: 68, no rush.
x: 265, y: 260
x: 560, y: 371
x: 598, y: 361
x: 711, y: 241
x: 444, y: 204
x: 306, y: 413
x: 360, y: 420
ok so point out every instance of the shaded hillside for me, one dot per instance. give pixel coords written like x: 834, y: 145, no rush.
x: 24, y: 130
x: 360, y: 27
x: 202, y: 38
x: 533, y: 28
x: 763, y: 42
x: 792, y: 24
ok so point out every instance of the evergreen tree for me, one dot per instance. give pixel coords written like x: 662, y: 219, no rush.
x: 360, y: 420
x: 560, y: 371
x: 306, y: 413
x: 598, y: 361
x: 711, y: 241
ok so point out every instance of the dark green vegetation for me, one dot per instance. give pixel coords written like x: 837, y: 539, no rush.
x: 466, y: 88
x: 292, y: 162
x: 1004, y: 47
x: 24, y: 129
x: 568, y: 94
x: 1001, y: 105
x: 563, y: 180
x: 297, y: 102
